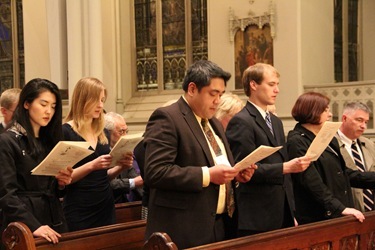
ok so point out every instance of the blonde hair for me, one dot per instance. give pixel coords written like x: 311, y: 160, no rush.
x: 85, y: 97
x: 229, y: 102
x: 9, y: 97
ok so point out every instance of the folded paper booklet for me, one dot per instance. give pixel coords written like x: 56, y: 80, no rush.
x: 64, y: 154
x: 125, y: 144
x: 322, y: 139
x: 257, y: 155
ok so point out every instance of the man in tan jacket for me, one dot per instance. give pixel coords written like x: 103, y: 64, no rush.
x: 354, y: 122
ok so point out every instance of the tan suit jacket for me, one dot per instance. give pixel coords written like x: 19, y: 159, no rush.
x: 368, y: 152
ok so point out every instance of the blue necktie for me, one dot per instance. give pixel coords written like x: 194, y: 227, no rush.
x: 269, y: 123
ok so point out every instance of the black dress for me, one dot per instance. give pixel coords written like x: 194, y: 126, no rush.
x: 88, y: 202
x: 27, y: 198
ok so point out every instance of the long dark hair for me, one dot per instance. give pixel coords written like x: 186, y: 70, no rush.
x: 49, y: 135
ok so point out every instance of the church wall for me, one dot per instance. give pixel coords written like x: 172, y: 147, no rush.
x: 303, y: 43
x: 37, y: 58
x: 368, y: 34
x: 303, y: 47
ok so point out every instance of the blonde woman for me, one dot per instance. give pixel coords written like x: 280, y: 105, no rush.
x: 230, y: 105
x: 89, y: 200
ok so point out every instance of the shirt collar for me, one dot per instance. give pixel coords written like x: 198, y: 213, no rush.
x: 261, y: 111
x: 199, y: 119
x: 348, y: 142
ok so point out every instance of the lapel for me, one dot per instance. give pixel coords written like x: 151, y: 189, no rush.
x: 259, y: 120
x: 195, y: 129
x: 345, y: 154
x: 334, y: 145
x: 366, y: 152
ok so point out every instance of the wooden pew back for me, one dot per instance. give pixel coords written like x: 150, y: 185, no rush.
x: 129, y: 211
x: 128, y: 235
x: 340, y: 233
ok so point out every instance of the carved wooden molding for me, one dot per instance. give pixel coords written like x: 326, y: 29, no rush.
x: 236, y: 23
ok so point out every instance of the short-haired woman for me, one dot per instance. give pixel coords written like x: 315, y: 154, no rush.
x: 323, y: 190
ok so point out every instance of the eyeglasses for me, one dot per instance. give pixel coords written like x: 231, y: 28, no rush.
x: 123, y: 131
x: 12, y: 111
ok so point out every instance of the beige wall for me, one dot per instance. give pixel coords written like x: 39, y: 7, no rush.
x: 368, y: 34
x: 37, y: 59
x: 100, y: 42
x: 303, y: 46
x: 317, y: 42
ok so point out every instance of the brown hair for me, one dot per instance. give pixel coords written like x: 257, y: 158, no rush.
x: 309, y: 106
x: 256, y: 73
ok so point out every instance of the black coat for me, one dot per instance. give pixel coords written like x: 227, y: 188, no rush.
x: 323, y: 190
x: 27, y: 198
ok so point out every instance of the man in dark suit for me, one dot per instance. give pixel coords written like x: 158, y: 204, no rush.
x: 186, y: 173
x: 266, y: 202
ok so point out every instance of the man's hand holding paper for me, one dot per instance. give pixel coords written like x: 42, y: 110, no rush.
x: 123, y: 148
x: 246, y: 174
x: 126, y: 161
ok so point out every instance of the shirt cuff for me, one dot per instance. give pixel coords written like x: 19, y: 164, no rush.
x: 131, y: 184
x: 206, y: 177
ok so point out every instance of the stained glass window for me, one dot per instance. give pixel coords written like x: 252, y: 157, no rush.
x: 170, y: 34
x: 346, y: 32
x: 12, y: 71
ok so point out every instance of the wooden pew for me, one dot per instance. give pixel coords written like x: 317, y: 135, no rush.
x: 129, y: 235
x: 128, y: 211
x: 159, y: 241
x: 341, y: 233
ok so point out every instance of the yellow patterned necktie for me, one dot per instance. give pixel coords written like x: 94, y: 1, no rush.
x: 229, y: 196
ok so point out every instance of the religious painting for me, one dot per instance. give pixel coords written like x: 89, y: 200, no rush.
x: 252, y: 46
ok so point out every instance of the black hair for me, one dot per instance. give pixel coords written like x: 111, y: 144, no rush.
x: 50, y: 134
x: 201, y: 72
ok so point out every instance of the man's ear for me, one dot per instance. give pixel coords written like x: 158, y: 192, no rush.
x: 192, y: 88
x: 3, y: 110
x: 253, y: 85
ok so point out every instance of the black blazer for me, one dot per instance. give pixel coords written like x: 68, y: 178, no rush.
x: 266, y: 201
x: 1, y: 128
x: 176, y: 150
